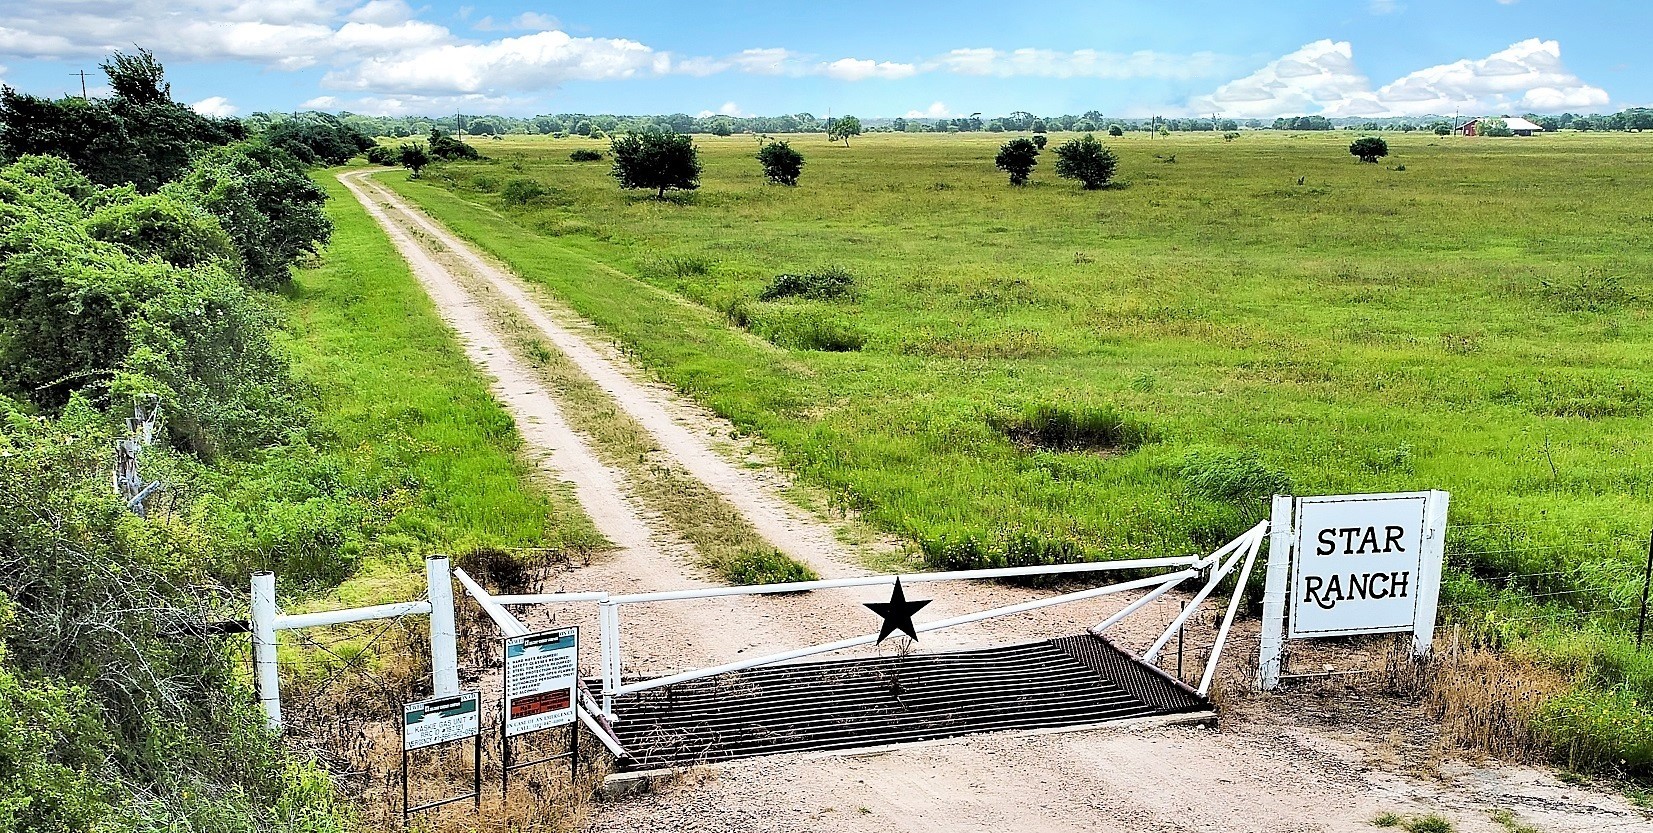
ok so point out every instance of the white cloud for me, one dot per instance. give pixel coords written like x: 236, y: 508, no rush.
x: 534, y: 21
x: 382, y: 12
x: 860, y: 69
x: 1384, y: 6
x: 1082, y: 63
x: 538, y: 61
x: 1527, y: 76
x: 937, y: 110
x: 729, y: 108
x: 216, y: 106
x: 1322, y: 79
x: 321, y: 102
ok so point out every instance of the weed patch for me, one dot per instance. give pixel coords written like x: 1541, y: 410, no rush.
x: 806, y: 329
x: 1233, y: 476
x: 1072, y: 428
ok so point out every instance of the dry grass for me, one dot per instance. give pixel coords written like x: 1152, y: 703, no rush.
x: 1482, y: 699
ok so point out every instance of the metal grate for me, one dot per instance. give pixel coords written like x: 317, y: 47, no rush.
x: 847, y: 704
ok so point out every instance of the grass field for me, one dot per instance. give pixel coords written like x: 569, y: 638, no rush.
x: 1477, y: 322
x: 400, y: 402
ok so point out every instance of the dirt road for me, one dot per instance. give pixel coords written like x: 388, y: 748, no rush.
x: 1264, y: 771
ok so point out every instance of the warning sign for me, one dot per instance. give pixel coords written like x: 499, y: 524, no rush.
x: 440, y: 720
x: 540, y: 672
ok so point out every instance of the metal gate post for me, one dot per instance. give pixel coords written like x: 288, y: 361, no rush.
x: 444, y: 655
x: 1429, y: 583
x: 1272, y: 643
x: 266, y: 678
x: 608, y: 617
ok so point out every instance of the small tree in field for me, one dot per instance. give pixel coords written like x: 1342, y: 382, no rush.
x: 1086, y: 160
x: 1040, y: 140
x: 1017, y: 158
x: 781, y: 163
x: 656, y: 160
x: 841, y: 129
x: 414, y: 157
x: 1369, y: 149
x: 1115, y: 130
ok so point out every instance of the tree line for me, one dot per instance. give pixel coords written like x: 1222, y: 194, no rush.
x: 140, y: 243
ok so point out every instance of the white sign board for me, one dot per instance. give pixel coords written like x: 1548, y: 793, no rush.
x: 440, y: 720
x: 1362, y: 565
x: 540, y: 672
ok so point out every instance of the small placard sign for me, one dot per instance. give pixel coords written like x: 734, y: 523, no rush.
x: 441, y: 720
x: 540, y: 673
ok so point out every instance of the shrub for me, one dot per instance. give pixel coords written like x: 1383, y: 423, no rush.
x: 782, y: 164
x: 1115, y: 130
x: 384, y: 155
x: 825, y: 285
x: 160, y: 226
x: 1040, y: 140
x: 1236, y: 477
x: 1017, y: 158
x: 585, y: 155
x: 521, y: 191
x: 764, y: 567
x: 1369, y: 149
x: 1086, y: 160
x: 1230, y: 136
x: 1072, y: 428
x: 266, y: 202
x: 445, y: 148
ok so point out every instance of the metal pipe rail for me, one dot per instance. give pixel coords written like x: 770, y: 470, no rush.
x: 857, y: 581
x: 644, y: 685
x: 267, y: 621
x: 1251, y: 539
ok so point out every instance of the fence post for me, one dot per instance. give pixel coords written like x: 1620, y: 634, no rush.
x: 1272, y: 642
x: 1647, y: 582
x: 266, y: 678
x: 444, y: 655
x: 1429, y: 583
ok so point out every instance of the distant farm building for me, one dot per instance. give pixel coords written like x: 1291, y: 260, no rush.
x: 1518, y: 126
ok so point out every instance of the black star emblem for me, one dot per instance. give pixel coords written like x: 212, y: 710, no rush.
x: 897, y: 613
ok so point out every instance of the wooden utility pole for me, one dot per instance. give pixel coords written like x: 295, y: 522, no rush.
x: 82, y: 75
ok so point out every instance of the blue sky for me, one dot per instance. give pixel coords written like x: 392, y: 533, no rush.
x: 891, y: 58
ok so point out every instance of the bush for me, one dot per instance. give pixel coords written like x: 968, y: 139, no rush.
x: 1017, y: 158
x: 1369, y: 149
x: 1040, y: 140
x: 414, y: 157
x: 825, y: 285
x: 1072, y: 428
x: 445, y: 148
x: 1115, y: 130
x: 1086, y: 160
x: 765, y: 567
x: 266, y: 202
x: 383, y: 155
x: 585, y: 155
x: 159, y: 226
x: 782, y: 164
x: 521, y: 191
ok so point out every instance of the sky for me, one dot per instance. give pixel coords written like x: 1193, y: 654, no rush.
x: 910, y: 58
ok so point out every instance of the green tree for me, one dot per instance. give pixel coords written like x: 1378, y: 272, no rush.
x: 656, y: 160
x: 782, y: 164
x: 1017, y: 158
x: 840, y: 129
x: 138, y: 79
x: 1369, y: 148
x: 1497, y: 128
x: 414, y: 157
x: 1115, y: 130
x: 446, y: 148
x: 1086, y: 160
x: 1040, y: 140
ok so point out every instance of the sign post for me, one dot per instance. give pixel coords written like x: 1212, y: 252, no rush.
x: 438, y: 721
x: 541, y: 673
x: 1358, y: 564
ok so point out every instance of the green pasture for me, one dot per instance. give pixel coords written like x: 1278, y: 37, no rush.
x: 1270, y: 309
